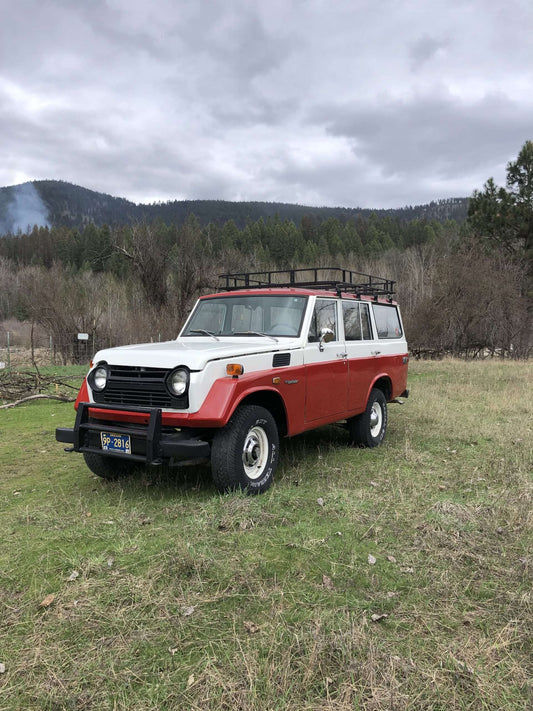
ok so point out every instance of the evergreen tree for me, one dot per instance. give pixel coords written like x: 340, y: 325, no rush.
x: 230, y: 235
x: 503, y: 218
x: 351, y: 240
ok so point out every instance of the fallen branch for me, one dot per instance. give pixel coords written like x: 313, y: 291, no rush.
x: 62, y: 398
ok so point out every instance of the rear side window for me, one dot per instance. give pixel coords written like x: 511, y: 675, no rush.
x: 387, y: 321
x: 356, y: 321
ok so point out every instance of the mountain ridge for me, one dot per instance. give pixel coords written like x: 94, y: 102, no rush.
x: 55, y: 203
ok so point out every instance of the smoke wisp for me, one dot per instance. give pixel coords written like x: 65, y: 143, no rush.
x: 25, y: 209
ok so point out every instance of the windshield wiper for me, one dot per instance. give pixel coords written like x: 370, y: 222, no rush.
x: 205, y: 333
x: 254, y: 333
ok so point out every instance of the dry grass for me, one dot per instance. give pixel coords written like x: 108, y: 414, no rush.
x: 185, y: 599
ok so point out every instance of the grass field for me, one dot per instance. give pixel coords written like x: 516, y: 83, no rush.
x: 386, y: 579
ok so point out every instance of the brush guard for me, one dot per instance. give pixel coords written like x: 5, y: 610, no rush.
x: 152, y: 444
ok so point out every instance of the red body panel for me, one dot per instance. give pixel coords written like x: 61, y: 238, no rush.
x: 333, y: 398
x: 83, y: 395
x: 326, y: 391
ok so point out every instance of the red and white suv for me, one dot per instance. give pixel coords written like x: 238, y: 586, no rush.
x: 272, y: 355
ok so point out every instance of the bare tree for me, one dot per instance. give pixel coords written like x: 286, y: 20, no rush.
x: 476, y: 307
x: 64, y: 304
x: 149, y: 256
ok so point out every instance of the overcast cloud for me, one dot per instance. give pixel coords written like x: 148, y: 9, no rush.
x: 378, y: 103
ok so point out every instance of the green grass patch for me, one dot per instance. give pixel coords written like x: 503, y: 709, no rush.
x: 394, y: 578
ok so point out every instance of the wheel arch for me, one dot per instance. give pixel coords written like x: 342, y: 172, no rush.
x: 383, y: 383
x: 271, y: 401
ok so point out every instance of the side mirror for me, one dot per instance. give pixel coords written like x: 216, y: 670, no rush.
x: 326, y: 335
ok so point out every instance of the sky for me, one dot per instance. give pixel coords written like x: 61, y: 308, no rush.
x: 353, y: 103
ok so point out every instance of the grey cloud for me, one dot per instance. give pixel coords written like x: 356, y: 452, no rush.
x: 424, y: 49
x: 339, y: 103
x: 352, y: 183
x: 252, y: 50
x: 255, y: 111
x: 436, y: 135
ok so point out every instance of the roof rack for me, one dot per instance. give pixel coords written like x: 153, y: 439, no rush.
x: 328, y: 278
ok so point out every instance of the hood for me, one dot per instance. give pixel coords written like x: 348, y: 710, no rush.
x: 194, y: 353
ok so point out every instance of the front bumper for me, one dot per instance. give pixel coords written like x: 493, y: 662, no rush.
x: 151, y: 443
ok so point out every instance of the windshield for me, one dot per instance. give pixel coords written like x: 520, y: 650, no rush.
x: 247, y: 315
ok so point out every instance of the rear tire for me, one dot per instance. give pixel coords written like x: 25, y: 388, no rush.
x: 110, y: 468
x: 368, y: 429
x: 244, y: 454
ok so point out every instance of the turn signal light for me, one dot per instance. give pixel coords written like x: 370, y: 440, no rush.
x: 234, y: 369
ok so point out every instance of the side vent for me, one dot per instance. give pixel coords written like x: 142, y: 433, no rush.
x: 281, y: 359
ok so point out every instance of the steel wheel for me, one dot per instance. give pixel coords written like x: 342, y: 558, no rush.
x: 255, y: 453
x: 376, y: 419
x: 244, y: 454
x: 368, y: 429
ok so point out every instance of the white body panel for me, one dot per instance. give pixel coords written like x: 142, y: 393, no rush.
x: 204, y: 357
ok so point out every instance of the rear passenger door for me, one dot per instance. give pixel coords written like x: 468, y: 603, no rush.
x: 361, y: 350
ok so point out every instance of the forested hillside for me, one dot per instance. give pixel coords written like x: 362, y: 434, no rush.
x: 56, y: 203
x: 464, y: 287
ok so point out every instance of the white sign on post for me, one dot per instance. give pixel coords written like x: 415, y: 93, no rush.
x: 83, y: 336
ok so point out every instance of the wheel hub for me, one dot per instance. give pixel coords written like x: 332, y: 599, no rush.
x: 376, y: 417
x: 255, y: 452
x: 252, y: 451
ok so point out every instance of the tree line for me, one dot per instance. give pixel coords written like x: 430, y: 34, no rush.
x: 464, y: 288
x: 270, y: 240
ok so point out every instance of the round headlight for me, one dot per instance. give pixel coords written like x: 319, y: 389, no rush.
x: 178, y: 381
x: 99, y: 378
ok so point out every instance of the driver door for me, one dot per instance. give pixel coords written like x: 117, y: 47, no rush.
x: 326, y: 365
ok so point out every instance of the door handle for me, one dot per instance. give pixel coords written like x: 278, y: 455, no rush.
x: 342, y: 355
x: 375, y: 352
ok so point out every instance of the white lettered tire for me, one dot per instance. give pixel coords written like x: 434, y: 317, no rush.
x: 244, y: 453
x: 368, y: 429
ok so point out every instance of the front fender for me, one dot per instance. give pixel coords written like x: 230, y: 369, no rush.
x: 226, y: 394
x: 83, y: 395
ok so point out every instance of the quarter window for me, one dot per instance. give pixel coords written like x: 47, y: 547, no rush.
x: 387, y: 321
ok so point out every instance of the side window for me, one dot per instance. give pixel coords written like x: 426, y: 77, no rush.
x: 387, y: 321
x: 352, y: 321
x: 356, y: 321
x: 324, y: 316
x: 365, y: 322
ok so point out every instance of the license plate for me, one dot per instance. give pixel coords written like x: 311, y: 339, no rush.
x: 115, y: 442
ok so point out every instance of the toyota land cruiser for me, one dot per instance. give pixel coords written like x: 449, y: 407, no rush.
x: 273, y: 354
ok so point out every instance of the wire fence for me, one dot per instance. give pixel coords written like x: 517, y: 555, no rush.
x: 45, y: 351
x: 18, y: 351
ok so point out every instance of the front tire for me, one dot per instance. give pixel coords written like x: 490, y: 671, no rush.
x: 110, y: 468
x: 368, y: 429
x: 244, y: 454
